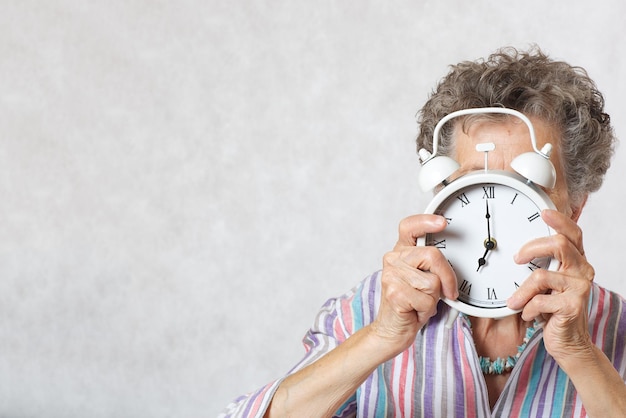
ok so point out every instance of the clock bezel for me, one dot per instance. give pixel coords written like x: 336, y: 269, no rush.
x: 506, y: 178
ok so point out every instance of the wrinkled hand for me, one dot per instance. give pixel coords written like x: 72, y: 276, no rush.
x: 413, y: 280
x: 559, y: 298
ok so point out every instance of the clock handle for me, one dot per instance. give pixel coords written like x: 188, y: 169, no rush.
x: 452, y: 315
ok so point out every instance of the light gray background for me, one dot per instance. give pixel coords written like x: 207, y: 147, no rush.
x: 184, y: 183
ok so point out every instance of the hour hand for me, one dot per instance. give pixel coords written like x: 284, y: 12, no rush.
x: 489, y: 244
x: 481, y: 260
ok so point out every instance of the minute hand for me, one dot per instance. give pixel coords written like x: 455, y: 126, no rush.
x: 488, y: 216
x: 489, y: 243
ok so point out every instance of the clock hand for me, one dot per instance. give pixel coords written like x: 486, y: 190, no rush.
x: 481, y: 260
x: 488, y: 216
x: 489, y: 244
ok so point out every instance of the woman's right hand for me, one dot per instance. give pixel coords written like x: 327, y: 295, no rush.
x: 413, y: 280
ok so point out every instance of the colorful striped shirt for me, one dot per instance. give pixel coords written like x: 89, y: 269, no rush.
x: 440, y: 375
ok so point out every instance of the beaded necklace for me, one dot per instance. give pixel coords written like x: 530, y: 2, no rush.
x: 505, y: 365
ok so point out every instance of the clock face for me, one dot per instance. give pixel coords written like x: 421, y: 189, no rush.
x: 488, y: 222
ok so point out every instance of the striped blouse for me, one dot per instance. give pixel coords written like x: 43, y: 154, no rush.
x: 440, y: 375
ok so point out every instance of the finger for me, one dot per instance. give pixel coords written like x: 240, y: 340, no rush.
x: 540, y: 307
x: 414, y: 261
x: 416, y: 226
x: 556, y: 246
x: 408, y: 284
x: 409, y: 301
x: 565, y: 226
x: 424, y: 282
x: 547, y: 305
x: 538, y: 283
x: 573, y: 263
x: 543, y: 283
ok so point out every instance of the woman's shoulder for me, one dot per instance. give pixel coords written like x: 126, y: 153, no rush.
x: 607, y: 320
x: 354, y: 309
x: 603, y: 301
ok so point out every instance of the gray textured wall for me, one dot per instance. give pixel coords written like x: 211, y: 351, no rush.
x: 183, y: 184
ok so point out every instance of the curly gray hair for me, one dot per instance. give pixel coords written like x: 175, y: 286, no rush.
x: 534, y: 84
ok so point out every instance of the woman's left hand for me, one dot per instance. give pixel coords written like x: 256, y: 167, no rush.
x: 558, y: 298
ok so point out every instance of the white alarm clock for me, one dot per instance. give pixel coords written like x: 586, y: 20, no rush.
x: 490, y: 215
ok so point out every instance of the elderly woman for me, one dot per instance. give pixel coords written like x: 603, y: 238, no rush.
x: 383, y: 349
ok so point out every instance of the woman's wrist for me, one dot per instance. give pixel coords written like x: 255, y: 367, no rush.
x: 579, y: 359
x: 385, y: 344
